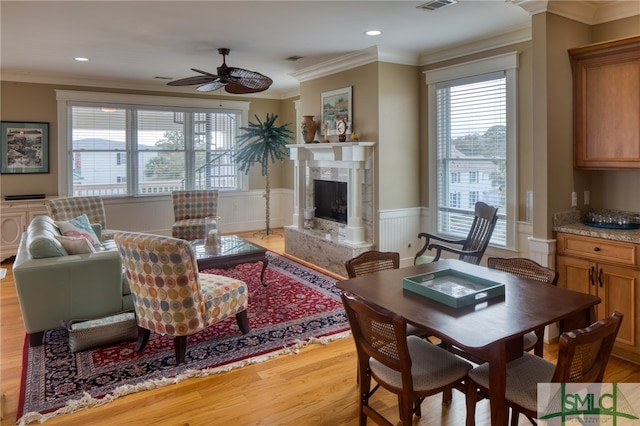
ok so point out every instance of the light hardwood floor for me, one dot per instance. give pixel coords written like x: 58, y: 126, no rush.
x: 314, y: 387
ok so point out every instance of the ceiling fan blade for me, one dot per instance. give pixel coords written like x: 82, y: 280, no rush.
x: 238, y: 89
x: 203, y: 72
x: 250, y: 79
x: 191, y: 81
x: 210, y: 87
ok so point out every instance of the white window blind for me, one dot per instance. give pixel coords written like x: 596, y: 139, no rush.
x: 471, y: 120
x: 142, y: 150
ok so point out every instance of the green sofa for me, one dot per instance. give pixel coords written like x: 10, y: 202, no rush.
x: 53, y: 285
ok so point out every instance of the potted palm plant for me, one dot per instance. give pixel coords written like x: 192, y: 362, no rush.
x: 263, y: 143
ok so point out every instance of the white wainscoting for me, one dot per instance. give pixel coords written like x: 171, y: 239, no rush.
x: 398, y: 231
x: 239, y: 211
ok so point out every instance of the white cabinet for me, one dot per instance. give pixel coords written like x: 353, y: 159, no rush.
x: 14, y: 219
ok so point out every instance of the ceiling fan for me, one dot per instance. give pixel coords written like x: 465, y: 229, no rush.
x: 234, y: 80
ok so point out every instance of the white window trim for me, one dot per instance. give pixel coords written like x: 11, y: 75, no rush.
x: 63, y: 97
x: 507, y: 62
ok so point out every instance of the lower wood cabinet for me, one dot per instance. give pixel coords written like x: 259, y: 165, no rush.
x: 610, y: 270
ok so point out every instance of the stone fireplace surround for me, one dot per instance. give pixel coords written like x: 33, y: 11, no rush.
x: 329, y: 244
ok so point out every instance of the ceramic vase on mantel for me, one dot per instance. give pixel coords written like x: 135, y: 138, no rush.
x: 308, y: 128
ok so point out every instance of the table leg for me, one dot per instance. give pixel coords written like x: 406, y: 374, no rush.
x: 265, y: 262
x: 498, y: 384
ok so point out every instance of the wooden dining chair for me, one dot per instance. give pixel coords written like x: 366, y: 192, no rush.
x: 583, y: 355
x: 471, y: 248
x: 409, y: 366
x: 375, y: 261
x: 527, y: 268
x: 372, y: 261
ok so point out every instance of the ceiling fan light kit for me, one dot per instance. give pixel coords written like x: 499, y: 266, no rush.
x: 234, y: 80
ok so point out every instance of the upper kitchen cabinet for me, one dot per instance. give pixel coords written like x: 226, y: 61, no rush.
x: 606, y: 104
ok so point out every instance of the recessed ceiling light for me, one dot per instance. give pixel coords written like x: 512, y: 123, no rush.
x: 373, y: 32
x: 79, y: 59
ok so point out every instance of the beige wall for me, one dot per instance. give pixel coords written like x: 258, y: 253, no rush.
x: 364, y: 83
x: 37, y: 103
x: 399, y: 145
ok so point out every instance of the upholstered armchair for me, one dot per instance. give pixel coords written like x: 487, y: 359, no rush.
x: 67, y: 208
x: 190, y: 208
x: 170, y: 296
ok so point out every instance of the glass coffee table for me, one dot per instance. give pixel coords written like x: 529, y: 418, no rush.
x: 231, y: 251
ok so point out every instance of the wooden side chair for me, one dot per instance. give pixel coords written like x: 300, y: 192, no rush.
x: 170, y: 296
x: 376, y: 261
x: 410, y: 367
x: 372, y: 261
x: 190, y: 208
x: 527, y: 268
x: 67, y: 208
x: 583, y: 355
x: 471, y: 248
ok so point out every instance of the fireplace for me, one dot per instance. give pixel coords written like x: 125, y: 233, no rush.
x: 330, y: 200
x: 344, y: 229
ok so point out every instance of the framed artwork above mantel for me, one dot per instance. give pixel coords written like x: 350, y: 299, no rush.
x: 24, y: 147
x: 336, y: 104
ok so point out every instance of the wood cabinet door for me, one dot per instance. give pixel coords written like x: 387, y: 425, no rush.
x: 12, y: 224
x: 606, y: 83
x: 617, y: 287
x: 576, y: 274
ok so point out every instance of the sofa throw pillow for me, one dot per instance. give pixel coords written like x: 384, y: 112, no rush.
x: 76, y: 245
x: 78, y: 227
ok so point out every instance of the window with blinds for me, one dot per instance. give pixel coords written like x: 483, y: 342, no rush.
x: 142, y: 150
x: 471, y: 138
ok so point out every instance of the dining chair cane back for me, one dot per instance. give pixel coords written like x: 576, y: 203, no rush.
x: 372, y: 261
x: 472, y: 248
x: 583, y: 355
x: 409, y: 366
x: 376, y: 261
x: 527, y: 268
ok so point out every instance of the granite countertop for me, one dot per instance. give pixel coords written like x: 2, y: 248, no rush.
x: 570, y: 222
x: 627, y: 235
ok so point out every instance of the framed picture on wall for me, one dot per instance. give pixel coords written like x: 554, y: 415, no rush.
x: 25, y: 147
x: 336, y: 104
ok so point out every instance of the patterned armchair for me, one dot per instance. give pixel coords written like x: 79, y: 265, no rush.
x: 170, y: 296
x: 67, y: 208
x: 189, y: 210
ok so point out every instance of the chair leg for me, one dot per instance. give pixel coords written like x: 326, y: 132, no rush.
x: 471, y: 397
x: 180, y: 345
x: 447, y: 396
x: 143, y: 338
x: 243, y: 321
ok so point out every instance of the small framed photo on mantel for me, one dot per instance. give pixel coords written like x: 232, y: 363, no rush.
x: 25, y: 147
x: 336, y: 105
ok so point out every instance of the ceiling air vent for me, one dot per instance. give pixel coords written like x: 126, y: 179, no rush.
x: 436, y: 4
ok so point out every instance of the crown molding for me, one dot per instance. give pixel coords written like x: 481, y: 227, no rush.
x: 134, y: 85
x: 516, y: 35
x: 355, y: 59
x: 585, y: 11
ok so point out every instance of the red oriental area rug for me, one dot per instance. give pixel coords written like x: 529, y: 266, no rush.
x: 298, y: 306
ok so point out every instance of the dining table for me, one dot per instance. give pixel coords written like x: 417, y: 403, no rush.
x: 490, y: 330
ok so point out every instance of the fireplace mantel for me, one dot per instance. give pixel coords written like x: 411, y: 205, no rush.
x: 352, y: 156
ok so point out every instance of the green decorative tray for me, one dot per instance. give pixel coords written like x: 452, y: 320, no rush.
x: 453, y: 288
